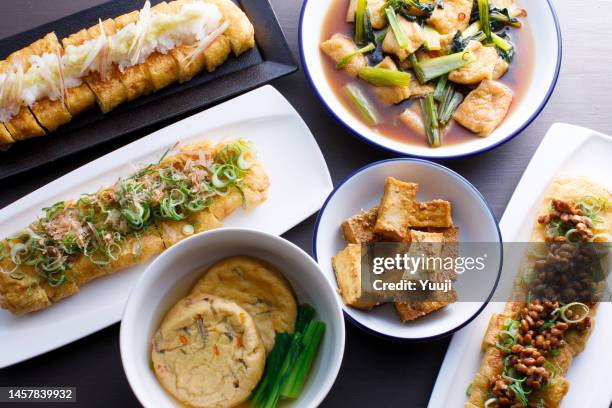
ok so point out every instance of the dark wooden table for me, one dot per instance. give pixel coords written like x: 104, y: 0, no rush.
x: 375, y: 372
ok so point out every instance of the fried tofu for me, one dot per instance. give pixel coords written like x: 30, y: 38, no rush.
x: 436, y: 213
x: 359, y: 229
x: 413, y: 119
x: 23, y: 125
x: 378, y: 18
x: 501, y: 67
x: 395, y: 208
x: 418, y: 90
x: 347, y: 267
x: 479, y: 70
x: 485, y: 108
x: 391, y: 95
x: 338, y: 47
x: 413, y: 33
x: 241, y: 33
x: 454, y: 16
x: 136, y: 79
x: 5, y: 137
x: 422, y: 236
x: 176, y: 231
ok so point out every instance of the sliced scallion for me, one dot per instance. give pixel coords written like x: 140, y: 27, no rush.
x: 430, y: 120
x: 360, y: 21
x: 362, y: 103
x: 436, y: 67
x: 432, y: 39
x: 348, y: 58
x: 384, y: 77
x: 395, y: 26
x: 483, y: 9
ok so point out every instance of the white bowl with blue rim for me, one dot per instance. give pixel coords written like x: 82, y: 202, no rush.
x: 471, y: 213
x: 546, y: 57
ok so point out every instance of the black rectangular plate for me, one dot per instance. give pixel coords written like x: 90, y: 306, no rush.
x: 270, y: 59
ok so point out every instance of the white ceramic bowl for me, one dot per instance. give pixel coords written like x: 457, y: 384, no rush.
x: 471, y: 213
x: 546, y: 60
x: 171, y: 276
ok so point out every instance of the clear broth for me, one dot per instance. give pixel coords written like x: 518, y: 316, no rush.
x: 517, y: 78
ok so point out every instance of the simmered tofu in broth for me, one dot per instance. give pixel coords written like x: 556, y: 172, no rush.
x: 428, y: 72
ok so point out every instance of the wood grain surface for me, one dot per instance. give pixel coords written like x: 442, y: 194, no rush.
x: 375, y: 372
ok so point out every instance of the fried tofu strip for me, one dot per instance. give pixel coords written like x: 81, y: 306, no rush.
x: 436, y: 213
x: 109, y: 90
x: 136, y: 79
x: 570, y: 188
x: 50, y: 114
x: 22, y: 290
x: 338, y: 47
x: 23, y: 125
x: 241, y: 33
x: 5, y: 137
x: 19, y: 289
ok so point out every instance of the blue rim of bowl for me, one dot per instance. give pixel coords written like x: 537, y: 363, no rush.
x: 511, y: 136
x: 454, y: 175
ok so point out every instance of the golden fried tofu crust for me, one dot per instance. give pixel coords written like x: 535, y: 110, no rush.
x: 5, y: 136
x: 24, y: 125
x: 413, y: 310
x: 240, y: 32
x: 347, y: 267
x: 436, y: 213
x: 175, y: 231
x: 359, y: 229
x: 395, y: 208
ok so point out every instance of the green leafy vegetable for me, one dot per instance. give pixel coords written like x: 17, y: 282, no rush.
x: 483, y: 10
x: 362, y: 103
x: 360, y: 15
x: 395, y: 26
x: 436, y: 67
x: 430, y: 120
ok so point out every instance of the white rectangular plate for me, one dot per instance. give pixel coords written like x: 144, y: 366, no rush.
x: 300, y: 182
x: 565, y: 151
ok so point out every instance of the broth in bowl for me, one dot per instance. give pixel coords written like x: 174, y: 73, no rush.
x: 381, y: 82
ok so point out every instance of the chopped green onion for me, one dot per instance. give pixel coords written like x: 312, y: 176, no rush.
x: 360, y: 21
x: 436, y: 67
x: 384, y: 77
x: 362, y: 103
x: 347, y: 59
x: 468, y: 390
x: 418, y: 72
x: 483, y: 9
x: 561, y: 311
x: 472, y: 30
x: 449, y: 104
x: 188, y: 229
x: 430, y: 120
x: 397, y: 29
x: 490, y: 403
x: 502, y: 43
x: 440, y: 90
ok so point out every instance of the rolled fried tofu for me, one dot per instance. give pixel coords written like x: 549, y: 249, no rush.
x: 241, y: 32
x: 20, y: 295
x: 163, y: 68
x: 23, y: 125
x: 111, y: 92
x: 136, y: 79
x: 50, y: 114
x: 5, y: 137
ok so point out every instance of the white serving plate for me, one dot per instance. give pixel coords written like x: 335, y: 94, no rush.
x: 363, y: 190
x: 546, y: 56
x: 285, y: 147
x: 157, y: 291
x: 566, y: 150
